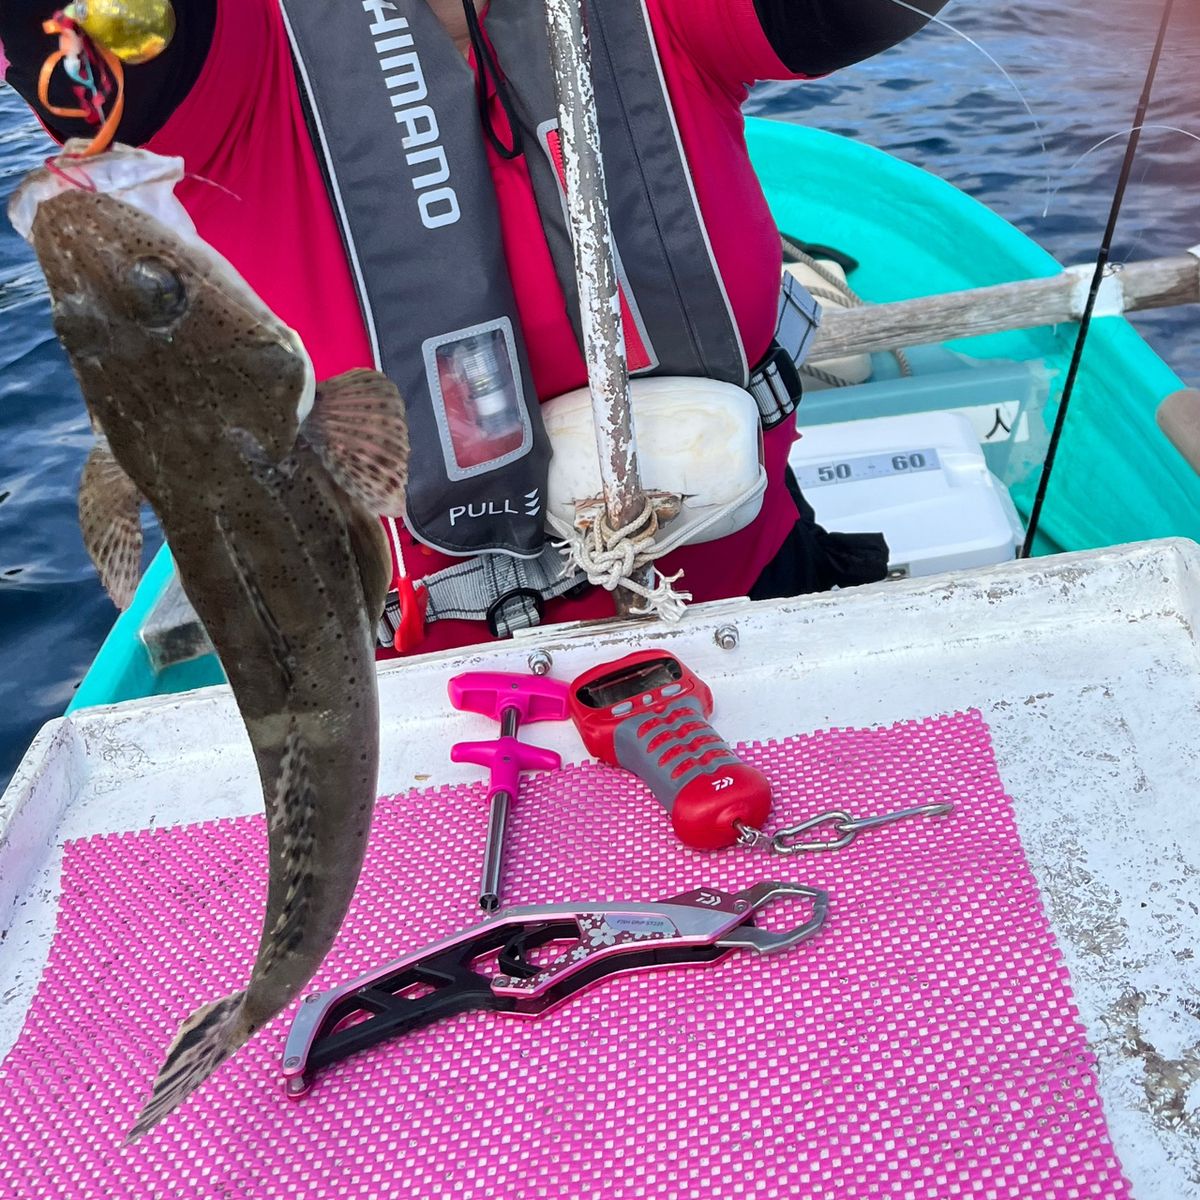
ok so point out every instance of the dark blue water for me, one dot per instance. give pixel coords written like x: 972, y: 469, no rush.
x: 935, y: 102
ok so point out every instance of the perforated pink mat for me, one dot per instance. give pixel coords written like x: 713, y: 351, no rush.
x: 924, y: 1045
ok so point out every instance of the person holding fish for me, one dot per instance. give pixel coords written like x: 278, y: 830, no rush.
x: 386, y: 175
x: 373, y: 209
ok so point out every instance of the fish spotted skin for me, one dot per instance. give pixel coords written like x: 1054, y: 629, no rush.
x: 199, y: 391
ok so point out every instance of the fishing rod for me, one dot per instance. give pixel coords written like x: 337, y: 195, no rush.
x: 1102, y: 262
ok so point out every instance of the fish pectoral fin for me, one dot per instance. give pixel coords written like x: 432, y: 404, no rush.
x: 109, y: 504
x: 358, y: 429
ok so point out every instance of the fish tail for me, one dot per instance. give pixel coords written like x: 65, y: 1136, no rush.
x: 204, y: 1041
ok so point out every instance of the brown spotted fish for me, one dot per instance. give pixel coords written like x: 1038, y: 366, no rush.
x: 267, y: 488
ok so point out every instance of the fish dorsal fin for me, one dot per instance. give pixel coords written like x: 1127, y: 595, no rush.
x: 109, y: 516
x: 358, y: 430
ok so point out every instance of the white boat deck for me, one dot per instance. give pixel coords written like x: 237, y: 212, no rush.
x: 1086, y: 667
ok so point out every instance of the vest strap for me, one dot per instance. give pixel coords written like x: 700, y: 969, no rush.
x: 776, y: 385
x: 508, y: 593
x: 392, y: 103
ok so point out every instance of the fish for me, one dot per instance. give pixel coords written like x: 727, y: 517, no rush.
x: 268, y: 487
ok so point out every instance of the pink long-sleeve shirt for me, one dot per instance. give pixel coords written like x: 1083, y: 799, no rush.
x: 257, y: 195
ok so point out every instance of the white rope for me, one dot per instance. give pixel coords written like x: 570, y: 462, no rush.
x: 844, y: 295
x: 610, y: 557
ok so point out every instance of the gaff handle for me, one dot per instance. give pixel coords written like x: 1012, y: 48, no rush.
x: 707, y: 790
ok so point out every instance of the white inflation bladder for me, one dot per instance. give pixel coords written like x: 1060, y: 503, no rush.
x: 697, y: 439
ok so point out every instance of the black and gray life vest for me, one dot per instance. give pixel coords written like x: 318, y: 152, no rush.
x: 395, y: 117
x: 393, y: 103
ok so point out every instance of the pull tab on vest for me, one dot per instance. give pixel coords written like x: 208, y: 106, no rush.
x: 393, y: 105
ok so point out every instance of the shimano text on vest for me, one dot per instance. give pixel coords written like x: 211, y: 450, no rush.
x: 405, y: 81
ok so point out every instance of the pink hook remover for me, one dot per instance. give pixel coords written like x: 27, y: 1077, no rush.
x: 513, y: 700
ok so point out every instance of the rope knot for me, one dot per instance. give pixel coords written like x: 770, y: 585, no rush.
x: 610, y: 557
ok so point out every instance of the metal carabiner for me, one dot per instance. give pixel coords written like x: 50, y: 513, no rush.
x: 792, y: 841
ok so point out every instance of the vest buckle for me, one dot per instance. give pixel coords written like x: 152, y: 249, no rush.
x: 776, y: 386
x: 521, y: 618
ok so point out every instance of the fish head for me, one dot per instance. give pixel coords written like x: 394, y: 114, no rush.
x: 174, y: 351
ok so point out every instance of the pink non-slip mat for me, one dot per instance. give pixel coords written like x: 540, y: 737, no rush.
x: 925, y: 1044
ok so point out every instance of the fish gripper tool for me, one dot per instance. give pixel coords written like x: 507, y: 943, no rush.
x: 513, y: 700
x: 526, y: 961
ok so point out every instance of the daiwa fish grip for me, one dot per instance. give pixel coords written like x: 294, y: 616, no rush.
x: 526, y: 961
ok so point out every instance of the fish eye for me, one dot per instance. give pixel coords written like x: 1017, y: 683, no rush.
x: 158, y: 294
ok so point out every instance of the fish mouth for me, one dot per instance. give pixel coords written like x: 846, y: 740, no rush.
x: 80, y: 249
x: 73, y: 281
x: 86, y: 335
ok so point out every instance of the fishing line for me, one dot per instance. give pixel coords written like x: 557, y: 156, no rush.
x: 1112, y: 138
x: 212, y: 183
x: 53, y: 166
x: 966, y: 37
x: 1085, y: 323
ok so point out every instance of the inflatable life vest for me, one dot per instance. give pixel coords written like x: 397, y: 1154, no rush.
x: 393, y: 107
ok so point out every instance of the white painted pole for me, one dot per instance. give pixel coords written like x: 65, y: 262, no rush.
x: 595, y: 270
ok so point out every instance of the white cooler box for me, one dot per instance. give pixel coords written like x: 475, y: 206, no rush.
x: 921, y: 480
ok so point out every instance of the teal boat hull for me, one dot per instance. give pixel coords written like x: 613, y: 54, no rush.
x: 1117, y: 479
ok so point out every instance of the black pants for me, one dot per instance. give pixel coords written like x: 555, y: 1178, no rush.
x: 814, y: 560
